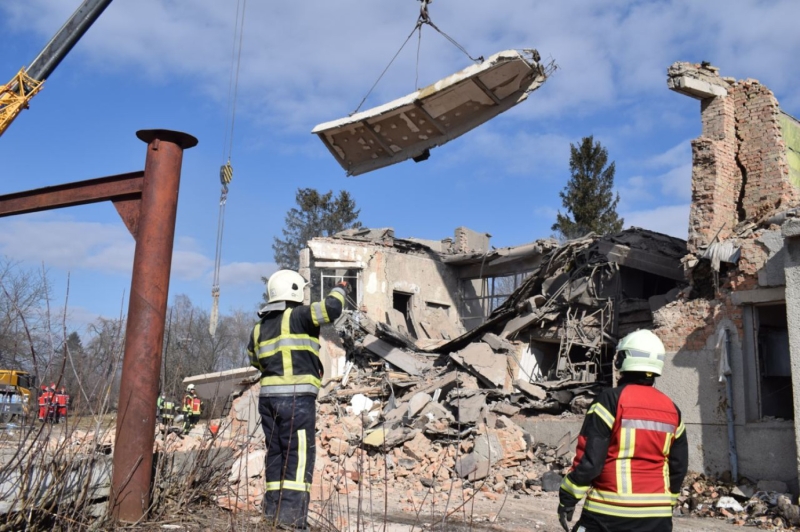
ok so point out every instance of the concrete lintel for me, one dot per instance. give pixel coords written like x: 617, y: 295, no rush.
x: 696, y: 88
x: 791, y: 228
x: 340, y: 265
x: 761, y: 295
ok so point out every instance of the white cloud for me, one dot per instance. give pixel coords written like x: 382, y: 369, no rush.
x: 307, y: 62
x: 670, y: 178
x: 671, y: 219
x: 240, y: 273
x: 516, y: 153
x: 100, y: 247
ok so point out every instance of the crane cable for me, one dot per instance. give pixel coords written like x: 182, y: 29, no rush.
x: 226, y: 170
x: 424, y: 18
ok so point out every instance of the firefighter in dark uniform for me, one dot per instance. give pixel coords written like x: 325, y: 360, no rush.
x: 284, y: 347
x: 632, y: 450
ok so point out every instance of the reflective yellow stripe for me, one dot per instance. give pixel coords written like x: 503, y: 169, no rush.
x: 627, y: 511
x: 630, y: 499
x: 681, y: 429
x: 324, y: 312
x: 573, y: 489
x: 288, y: 485
x: 289, y: 380
x: 674, y: 498
x: 626, y: 446
x: 338, y: 295
x: 316, y: 314
x: 665, y: 452
x: 294, y: 344
x: 301, y: 456
x: 253, y: 357
x: 286, y: 352
x: 603, y: 413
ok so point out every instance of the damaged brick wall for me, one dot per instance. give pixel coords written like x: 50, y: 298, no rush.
x: 761, y: 151
x: 739, y: 163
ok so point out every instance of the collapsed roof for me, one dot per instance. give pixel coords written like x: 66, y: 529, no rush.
x: 410, y: 126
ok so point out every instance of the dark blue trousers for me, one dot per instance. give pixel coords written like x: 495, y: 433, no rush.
x: 289, y: 424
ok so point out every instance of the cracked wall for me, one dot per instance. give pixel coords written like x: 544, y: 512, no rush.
x: 746, y: 162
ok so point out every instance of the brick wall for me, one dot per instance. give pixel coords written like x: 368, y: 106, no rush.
x: 739, y: 162
x: 762, y: 151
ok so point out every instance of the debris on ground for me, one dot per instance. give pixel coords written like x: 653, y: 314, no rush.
x: 766, y: 504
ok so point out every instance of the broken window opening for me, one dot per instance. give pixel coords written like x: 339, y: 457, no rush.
x: 401, y: 302
x: 480, y: 297
x: 639, y: 284
x: 774, y: 367
x: 326, y: 280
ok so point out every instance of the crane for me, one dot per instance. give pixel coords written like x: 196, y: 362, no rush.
x: 16, y: 94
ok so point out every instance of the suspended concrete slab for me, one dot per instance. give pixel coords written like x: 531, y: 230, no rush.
x: 407, y: 128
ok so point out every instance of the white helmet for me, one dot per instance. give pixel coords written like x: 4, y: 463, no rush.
x: 641, y: 351
x: 286, y: 285
x: 190, y: 388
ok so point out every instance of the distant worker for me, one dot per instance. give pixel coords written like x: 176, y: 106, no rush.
x: 61, y: 400
x: 168, y: 413
x: 160, y: 408
x: 632, y: 450
x: 192, y: 408
x: 43, y: 403
x: 51, y: 403
x: 284, y: 347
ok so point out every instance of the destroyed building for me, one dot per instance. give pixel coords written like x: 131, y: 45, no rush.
x: 740, y: 320
x: 484, y: 359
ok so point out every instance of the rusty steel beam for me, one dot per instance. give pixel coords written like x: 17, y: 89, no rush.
x: 141, y: 366
x: 114, y: 188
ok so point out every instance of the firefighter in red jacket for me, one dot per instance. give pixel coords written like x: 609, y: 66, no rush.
x: 632, y: 450
x: 43, y: 404
x: 284, y: 347
x: 62, y: 400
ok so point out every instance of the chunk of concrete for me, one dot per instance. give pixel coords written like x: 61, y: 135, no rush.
x: 484, y: 363
x: 469, y: 408
x: 472, y: 467
x: 531, y: 389
x: 417, y: 403
x: 551, y: 481
x: 488, y: 447
x: 394, y: 356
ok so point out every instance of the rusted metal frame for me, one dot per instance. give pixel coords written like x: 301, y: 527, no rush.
x: 428, y: 117
x: 114, y: 188
x: 144, y: 333
x: 482, y: 86
x: 377, y: 138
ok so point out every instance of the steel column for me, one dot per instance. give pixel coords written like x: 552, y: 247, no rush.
x: 133, y: 450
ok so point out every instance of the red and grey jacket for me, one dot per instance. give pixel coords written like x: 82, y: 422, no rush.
x: 632, y: 454
x: 284, y: 346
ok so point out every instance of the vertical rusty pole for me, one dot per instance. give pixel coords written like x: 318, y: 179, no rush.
x: 144, y: 335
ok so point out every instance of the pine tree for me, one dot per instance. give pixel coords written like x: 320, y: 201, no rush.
x: 588, y: 196
x: 315, y: 215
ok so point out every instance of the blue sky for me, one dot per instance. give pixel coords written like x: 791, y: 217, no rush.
x: 165, y: 64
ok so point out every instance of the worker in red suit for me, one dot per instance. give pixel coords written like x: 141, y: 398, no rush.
x: 43, y: 404
x: 62, y: 400
x: 51, y: 403
x: 632, y: 453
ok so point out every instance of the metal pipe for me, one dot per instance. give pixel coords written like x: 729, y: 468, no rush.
x: 732, y: 455
x: 65, y: 38
x: 144, y: 335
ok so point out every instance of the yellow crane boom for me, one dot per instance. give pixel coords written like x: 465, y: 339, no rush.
x: 16, y: 94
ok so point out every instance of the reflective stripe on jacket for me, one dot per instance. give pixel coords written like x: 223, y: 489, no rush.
x: 632, y: 455
x: 284, y: 346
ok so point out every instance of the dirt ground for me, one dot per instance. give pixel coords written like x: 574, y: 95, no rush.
x: 510, y: 514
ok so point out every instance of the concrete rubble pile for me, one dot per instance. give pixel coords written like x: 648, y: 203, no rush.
x: 548, y: 348
x: 435, y: 415
x: 766, y: 504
